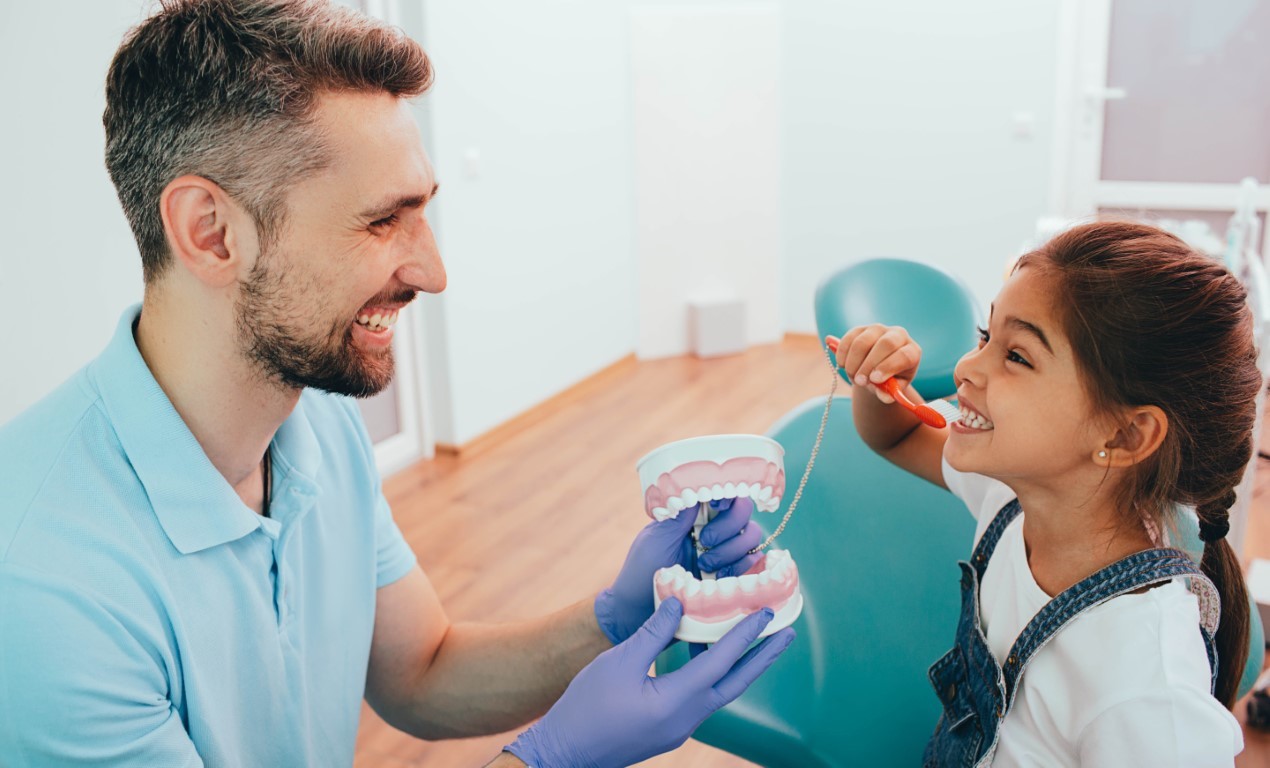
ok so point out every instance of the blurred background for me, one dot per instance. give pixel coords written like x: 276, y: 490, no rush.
x: 606, y: 165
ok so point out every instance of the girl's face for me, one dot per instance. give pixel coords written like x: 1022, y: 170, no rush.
x: 1033, y: 422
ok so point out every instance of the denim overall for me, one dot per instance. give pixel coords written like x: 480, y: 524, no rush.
x: 977, y: 692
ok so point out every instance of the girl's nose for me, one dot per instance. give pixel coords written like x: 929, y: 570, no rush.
x: 968, y: 369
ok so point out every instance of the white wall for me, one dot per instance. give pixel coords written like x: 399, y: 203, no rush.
x: 895, y: 137
x: 536, y: 226
x: 706, y: 95
x: 68, y: 263
x: 898, y: 136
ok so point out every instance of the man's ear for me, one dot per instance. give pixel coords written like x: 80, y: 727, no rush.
x: 1137, y: 438
x: 204, y: 230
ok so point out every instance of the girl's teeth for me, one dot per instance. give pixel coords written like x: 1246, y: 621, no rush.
x: 975, y: 420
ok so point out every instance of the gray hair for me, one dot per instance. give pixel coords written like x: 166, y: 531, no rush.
x: 227, y: 90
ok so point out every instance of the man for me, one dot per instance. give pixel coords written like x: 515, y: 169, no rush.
x: 197, y: 566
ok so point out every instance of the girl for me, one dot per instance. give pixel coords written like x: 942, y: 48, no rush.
x: 1116, y: 381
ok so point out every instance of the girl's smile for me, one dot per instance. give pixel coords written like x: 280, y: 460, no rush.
x: 972, y: 419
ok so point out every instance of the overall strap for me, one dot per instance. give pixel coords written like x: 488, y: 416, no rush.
x: 1141, y: 569
x: 986, y: 545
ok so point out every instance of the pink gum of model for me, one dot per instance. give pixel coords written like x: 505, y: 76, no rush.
x: 773, y: 593
x: 694, y: 475
x: 676, y: 478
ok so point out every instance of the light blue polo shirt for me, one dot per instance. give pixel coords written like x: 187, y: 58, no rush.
x: 148, y: 617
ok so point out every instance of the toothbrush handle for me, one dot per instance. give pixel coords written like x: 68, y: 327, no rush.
x: 892, y: 387
x: 928, y: 415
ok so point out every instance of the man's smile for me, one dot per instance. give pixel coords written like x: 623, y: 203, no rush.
x: 377, y: 319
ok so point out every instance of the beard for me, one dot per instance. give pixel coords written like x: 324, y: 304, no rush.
x: 279, y: 335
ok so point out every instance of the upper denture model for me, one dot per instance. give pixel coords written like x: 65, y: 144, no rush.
x: 688, y: 474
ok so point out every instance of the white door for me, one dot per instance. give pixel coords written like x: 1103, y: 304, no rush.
x: 1163, y: 112
x: 1165, y: 106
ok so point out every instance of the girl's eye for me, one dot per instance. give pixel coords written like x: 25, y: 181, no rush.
x: 1010, y: 355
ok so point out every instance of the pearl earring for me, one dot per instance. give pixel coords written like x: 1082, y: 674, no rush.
x: 1102, y: 454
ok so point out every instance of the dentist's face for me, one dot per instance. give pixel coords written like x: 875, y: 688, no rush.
x: 318, y: 306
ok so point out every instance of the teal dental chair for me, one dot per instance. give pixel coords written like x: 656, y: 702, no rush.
x: 877, y: 550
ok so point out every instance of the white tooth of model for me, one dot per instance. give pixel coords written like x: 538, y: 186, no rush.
x: 683, y: 478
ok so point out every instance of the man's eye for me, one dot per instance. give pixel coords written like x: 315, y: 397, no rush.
x: 387, y: 221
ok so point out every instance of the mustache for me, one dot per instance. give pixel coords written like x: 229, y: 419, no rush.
x: 402, y: 296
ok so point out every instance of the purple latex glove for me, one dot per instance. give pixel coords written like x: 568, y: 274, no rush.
x: 623, y: 607
x: 615, y: 714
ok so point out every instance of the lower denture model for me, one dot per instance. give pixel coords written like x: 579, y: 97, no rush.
x: 688, y: 475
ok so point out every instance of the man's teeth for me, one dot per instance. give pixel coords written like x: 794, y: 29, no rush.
x: 764, y: 500
x: 377, y: 321
x: 974, y: 420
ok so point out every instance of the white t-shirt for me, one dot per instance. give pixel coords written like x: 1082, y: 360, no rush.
x: 1124, y: 684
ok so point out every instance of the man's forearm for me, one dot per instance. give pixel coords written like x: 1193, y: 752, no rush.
x: 488, y: 678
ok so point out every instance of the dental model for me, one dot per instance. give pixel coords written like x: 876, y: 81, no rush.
x: 688, y: 475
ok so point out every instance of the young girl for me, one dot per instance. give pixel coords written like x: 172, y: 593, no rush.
x: 1115, y: 383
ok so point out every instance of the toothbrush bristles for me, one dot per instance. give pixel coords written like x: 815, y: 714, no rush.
x: 946, y: 409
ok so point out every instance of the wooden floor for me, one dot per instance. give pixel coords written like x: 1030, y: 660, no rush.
x: 540, y: 518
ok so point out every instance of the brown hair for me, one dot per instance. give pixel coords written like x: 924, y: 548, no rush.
x: 1152, y: 322
x: 227, y: 90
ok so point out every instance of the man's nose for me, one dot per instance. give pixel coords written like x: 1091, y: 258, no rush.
x: 421, y: 267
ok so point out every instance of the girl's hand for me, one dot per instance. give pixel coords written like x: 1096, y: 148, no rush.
x: 871, y: 354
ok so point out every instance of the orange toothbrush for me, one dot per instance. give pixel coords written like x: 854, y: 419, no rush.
x: 937, y: 413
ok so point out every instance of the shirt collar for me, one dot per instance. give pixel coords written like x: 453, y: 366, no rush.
x: 297, y: 455
x: 194, y: 503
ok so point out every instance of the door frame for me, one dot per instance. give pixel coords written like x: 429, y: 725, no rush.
x: 416, y: 438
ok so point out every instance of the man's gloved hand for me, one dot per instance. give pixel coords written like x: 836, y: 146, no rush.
x: 623, y: 607
x: 615, y: 714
